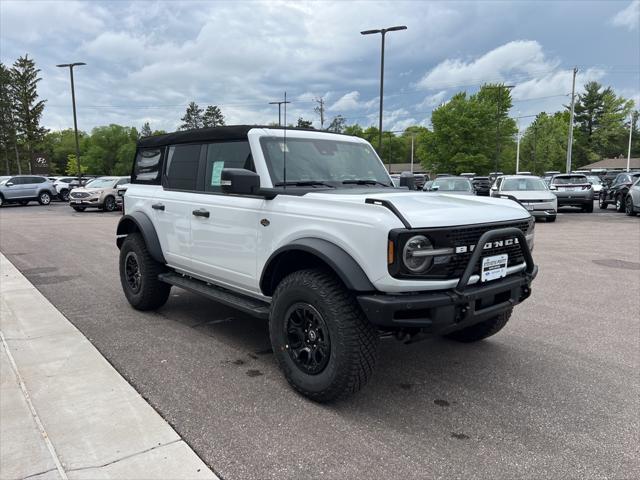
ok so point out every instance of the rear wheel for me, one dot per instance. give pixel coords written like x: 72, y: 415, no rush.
x: 139, y: 275
x: 44, y: 198
x: 602, y: 202
x: 322, y: 341
x: 481, y: 330
x: 628, y: 206
x: 619, y: 204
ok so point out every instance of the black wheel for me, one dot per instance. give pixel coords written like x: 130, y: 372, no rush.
x: 481, y: 330
x: 588, y: 208
x: 1, y: 200
x: 109, y: 204
x: 619, y: 204
x: 628, y: 206
x: 602, y: 202
x: 322, y: 341
x: 24, y: 202
x: 551, y: 219
x: 79, y: 209
x: 44, y: 198
x: 64, y: 195
x: 139, y: 275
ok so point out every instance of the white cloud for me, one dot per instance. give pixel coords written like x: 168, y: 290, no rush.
x: 628, y: 17
x: 433, y: 100
x: 349, y: 101
x: 517, y: 59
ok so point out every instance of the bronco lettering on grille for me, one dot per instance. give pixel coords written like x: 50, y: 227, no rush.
x: 488, y: 245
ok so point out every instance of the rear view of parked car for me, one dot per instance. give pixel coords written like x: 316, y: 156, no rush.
x: 99, y: 193
x: 616, y: 193
x: 573, y: 190
x: 455, y: 185
x: 23, y: 189
x: 481, y: 185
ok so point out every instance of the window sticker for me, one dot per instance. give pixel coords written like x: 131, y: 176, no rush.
x: 216, y: 173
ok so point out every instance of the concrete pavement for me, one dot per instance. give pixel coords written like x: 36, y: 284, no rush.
x: 65, y: 412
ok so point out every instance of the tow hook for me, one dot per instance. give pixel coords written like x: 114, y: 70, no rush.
x: 462, y: 313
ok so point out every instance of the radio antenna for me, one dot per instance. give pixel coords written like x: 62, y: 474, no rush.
x: 284, y: 146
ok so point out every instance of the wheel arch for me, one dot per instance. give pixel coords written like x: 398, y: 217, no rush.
x: 138, y: 222
x: 309, y: 253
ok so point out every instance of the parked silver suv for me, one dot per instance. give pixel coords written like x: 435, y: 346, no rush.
x: 24, y: 188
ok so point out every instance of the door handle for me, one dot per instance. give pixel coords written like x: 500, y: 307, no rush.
x: 201, y: 213
x: 158, y: 206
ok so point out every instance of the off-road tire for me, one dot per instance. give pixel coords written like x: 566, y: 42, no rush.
x: 79, y: 209
x: 64, y: 195
x: 602, y: 203
x: 44, y: 198
x: 628, y: 206
x: 619, y: 204
x: 353, y: 340
x: 109, y: 204
x: 551, y: 219
x: 481, y: 330
x: 152, y: 293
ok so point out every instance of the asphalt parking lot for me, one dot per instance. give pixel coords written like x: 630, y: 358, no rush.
x: 555, y: 395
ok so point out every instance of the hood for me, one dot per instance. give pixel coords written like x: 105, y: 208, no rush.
x: 423, y: 210
x: 530, y: 195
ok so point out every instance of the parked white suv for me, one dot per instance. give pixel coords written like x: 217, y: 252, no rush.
x: 305, y: 229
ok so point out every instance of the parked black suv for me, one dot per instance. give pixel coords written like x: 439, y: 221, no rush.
x: 617, y: 192
x: 482, y: 185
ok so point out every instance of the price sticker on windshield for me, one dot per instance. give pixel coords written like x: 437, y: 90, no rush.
x: 494, y: 267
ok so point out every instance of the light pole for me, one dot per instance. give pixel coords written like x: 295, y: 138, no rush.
x: 383, y: 32
x: 633, y: 117
x: 75, y: 121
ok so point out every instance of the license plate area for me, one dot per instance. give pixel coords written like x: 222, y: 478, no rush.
x: 494, y: 267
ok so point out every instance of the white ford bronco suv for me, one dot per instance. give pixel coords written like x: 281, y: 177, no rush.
x: 305, y: 228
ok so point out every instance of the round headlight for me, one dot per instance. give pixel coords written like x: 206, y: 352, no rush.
x: 415, y: 254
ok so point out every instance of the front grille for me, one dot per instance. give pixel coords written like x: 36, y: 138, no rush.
x: 470, y: 236
x: 78, y: 194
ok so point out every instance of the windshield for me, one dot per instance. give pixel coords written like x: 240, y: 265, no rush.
x: 523, y: 184
x: 452, y: 184
x: 576, y: 180
x: 323, y: 161
x: 101, y: 183
x: 594, y: 179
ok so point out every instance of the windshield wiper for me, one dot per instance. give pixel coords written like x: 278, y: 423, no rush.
x: 304, y: 183
x: 365, y: 182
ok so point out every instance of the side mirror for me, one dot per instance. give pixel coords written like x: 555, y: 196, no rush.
x: 8, y: 184
x: 494, y: 188
x: 435, y: 188
x: 553, y: 187
x: 239, y: 181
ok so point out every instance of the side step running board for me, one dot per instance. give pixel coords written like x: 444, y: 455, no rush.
x: 241, y: 302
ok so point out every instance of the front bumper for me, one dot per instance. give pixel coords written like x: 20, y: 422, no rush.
x: 445, y: 312
x: 453, y: 309
x: 550, y: 212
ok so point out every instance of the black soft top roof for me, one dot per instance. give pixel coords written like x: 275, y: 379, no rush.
x: 230, y: 132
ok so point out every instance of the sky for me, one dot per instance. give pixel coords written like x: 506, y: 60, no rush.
x: 147, y: 60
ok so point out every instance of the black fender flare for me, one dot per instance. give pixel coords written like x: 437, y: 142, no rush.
x: 138, y: 221
x: 343, y: 264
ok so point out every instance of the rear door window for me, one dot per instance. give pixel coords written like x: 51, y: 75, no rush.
x: 182, y: 167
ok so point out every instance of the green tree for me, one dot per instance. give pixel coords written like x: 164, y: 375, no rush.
x: 58, y: 145
x: 337, y: 125
x: 543, y: 145
x: 146, y: 131
x: 354, y: 130
x: 192, y: 118
x: 468, y: 131
x: 212, y: 117
x: 27, y: 109
x: 110, y: 150
x: 8, y: 139
x: 302, y: 123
